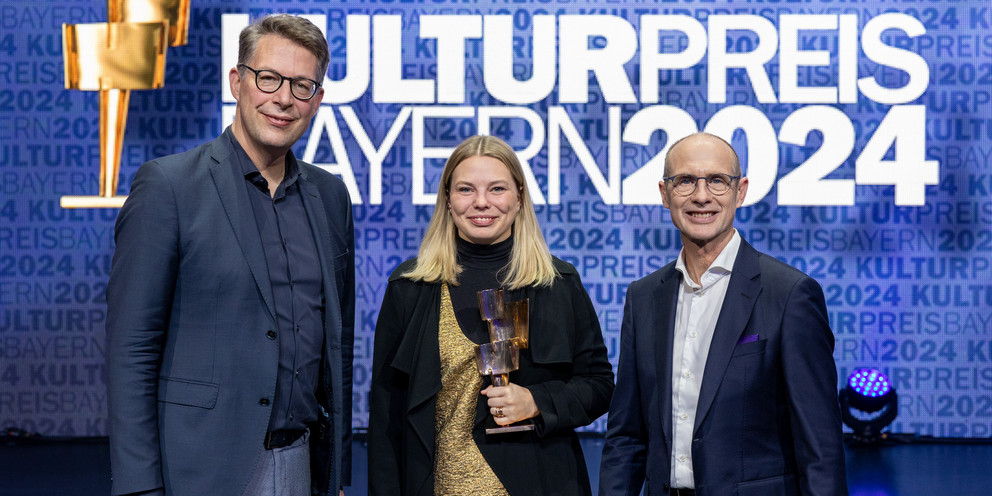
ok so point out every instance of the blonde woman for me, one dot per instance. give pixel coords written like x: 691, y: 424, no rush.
x: 429, y: 405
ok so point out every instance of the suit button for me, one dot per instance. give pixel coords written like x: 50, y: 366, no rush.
x: 270, y: 334
x: 263, y: 402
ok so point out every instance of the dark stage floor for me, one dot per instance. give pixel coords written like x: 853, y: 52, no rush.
x: 81, y: 468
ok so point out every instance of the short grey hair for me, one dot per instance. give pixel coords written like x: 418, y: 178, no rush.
x: 668, y: 159
x: 295, y: 29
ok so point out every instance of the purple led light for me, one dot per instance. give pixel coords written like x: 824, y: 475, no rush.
x: 869, y: 382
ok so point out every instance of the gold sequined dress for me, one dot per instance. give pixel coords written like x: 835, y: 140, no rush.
x: 459, y: 468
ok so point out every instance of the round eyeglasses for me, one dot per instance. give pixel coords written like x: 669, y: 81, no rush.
x: 685, y: 184
x: 270, y: 81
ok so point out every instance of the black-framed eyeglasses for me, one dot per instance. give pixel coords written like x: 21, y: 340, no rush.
x: 270, y: 81
x: 685, y: 184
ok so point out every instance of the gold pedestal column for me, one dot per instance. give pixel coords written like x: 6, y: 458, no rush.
x: 127, y: 53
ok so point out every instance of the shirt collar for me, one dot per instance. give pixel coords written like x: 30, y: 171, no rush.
x: 251, y: 172
x: 722, y: 265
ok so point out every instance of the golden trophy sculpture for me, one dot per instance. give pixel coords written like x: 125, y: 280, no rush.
x: 509, y: 331
x: 127, y: 53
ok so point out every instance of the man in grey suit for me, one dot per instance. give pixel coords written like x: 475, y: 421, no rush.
x: 726, y: 382
x: 231, y: 298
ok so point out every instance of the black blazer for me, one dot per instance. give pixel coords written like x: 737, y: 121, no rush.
x: 566, y: 370
x: 767, y: 420
x: 191, y: 356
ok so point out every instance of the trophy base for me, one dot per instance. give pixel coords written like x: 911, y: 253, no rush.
x: 518, y: 427
x: 92, y: 201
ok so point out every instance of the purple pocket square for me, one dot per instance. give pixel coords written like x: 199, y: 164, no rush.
x: 750, y: 338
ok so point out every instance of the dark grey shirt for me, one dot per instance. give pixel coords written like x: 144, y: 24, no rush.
x: 295, y: 275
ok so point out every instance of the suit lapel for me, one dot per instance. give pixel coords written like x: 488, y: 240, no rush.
x: 313, y: 204
x: 666, y: 295
x: 230, y: 185
x: 742, y: 293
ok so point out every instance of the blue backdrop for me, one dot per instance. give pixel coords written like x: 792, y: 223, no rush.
x: 864, y: 126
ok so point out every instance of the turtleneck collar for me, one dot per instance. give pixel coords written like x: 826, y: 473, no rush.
x: 495, y: 255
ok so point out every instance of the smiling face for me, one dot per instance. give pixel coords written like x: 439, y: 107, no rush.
x: 267, y: 124
x: 704, y: 220
x: 483, y: 200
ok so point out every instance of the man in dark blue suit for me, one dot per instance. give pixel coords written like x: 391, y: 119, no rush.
x: 231, y: 298
x: 726, y: 383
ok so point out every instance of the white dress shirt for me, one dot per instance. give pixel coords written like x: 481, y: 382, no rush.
x: 695, y: 319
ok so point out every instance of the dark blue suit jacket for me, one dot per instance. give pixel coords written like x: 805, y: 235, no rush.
x: 767, y: 420
x: 191, y: 354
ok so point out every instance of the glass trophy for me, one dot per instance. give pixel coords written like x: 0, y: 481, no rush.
x: 508, y: 334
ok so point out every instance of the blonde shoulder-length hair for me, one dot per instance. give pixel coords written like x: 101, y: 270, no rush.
x: 530, y: 260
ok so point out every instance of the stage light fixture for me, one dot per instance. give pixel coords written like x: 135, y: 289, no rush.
x: 868, y: 404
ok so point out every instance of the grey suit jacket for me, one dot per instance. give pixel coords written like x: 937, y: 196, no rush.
x: 191, y: 356
x: 767, y: 418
